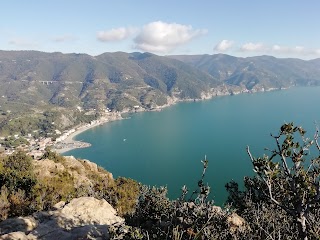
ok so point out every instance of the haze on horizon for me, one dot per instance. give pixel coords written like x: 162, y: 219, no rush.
x: 287, y: 28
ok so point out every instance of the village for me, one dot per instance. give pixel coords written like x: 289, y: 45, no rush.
x: 63, y: 143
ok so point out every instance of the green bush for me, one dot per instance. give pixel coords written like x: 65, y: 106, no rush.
x: 16, y: 172
x: 16, y: 181
x: 51, y: 190
x: 4, y: 203
x: 49, y: 154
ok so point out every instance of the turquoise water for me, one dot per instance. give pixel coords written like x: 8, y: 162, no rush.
x: 165, y: 148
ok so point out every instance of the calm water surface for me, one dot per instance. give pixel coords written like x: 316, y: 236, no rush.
x: 165, y: 148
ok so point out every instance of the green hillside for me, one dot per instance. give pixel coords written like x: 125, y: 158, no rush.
x: 34, y: 85
x: 256, y: 73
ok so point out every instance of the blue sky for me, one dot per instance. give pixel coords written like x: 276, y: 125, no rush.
x: 282, y: 28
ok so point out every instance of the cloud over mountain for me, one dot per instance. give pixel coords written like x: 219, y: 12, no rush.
x: 301, y: 50
x: 22, y: 42
x: 115, y: 34
x: 164, y: 37
x: 64, y: 38
x: 223, y: 46
x: 279, y: 49
x: 252, y: 47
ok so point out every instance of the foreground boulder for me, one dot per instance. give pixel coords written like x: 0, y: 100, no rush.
x: 82, y: 218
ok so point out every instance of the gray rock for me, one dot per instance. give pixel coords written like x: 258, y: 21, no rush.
x: 20, y: 224
x: 87, y: 211
x: 17, y: 236
x: 82, y: 218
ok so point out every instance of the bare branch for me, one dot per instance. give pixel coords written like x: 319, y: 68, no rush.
x: 269, y: 185
x: 283, y: 158
x: 250, y: 155
x: 316, y: 137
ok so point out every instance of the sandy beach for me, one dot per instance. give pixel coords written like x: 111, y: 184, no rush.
x: 71, y: 144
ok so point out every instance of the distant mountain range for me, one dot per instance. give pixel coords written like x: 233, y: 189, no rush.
x: 125, y: 80
x: 262, y: 72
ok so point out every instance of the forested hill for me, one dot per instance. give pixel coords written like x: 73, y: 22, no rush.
x: 47, y: 91
x: 256, y: 72
x: 116, y: 80
x: 121, y: 80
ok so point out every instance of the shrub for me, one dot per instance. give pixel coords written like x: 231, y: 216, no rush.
x: 157, y: 217
x: 4, y: 203
x: 286, y: 183
x: 16, y: 181
x: 122, y: 194
x: 51, y: 190
x: 49, y: 154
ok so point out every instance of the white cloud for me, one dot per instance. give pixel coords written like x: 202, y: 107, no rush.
x: 223, y: 46
x: 22, y: 42
x: 64, y: 38
x: 276, y: 48
x: 165, y: 37
x: 297, y: 50
x: 300, y: 49
x: 252, y: 47
x: 115, y: 34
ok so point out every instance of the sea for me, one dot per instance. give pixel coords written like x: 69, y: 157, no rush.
x: 166, y: 148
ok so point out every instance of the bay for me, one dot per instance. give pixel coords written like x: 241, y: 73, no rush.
x: 166, y: 148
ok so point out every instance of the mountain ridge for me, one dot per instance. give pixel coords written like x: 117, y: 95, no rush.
x: 32, y: 82
x: 271, y: 71
x: 181, y: 76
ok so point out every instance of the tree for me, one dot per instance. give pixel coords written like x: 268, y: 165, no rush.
x: 16, y: 183
x: 289, y: 178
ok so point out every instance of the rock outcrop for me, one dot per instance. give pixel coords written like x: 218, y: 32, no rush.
x: 80, y: 170
x: 82, y: 218
x: 46, y: 167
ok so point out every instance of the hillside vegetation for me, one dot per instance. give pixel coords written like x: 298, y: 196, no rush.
x: 43, y: 92
x: 117, y: 80
x: 256, y: 73
x: 280, y: 202
x: 38, y: 89
x: 29, y: 185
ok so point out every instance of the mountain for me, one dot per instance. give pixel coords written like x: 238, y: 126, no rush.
x: 54, y: 88
x: 122, y: 80
x: 116, y: 80
x: 256, y: 73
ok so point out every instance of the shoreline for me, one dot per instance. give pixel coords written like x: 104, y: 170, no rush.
x: 69, y: 140
x: 110, y: 117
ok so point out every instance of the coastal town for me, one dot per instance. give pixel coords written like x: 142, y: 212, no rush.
x: 63, y: 143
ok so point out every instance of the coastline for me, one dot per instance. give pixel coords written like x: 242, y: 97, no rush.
x: 73, y: 144
x: 109, y: 117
